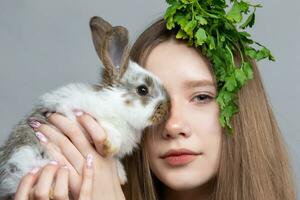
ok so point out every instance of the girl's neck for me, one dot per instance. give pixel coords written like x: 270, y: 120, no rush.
x: 202, y: 192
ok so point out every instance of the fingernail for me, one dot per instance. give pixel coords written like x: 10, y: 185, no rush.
x: 48, y: 114
x: 34, y: 124
x: 89, y: 160
x: 65, y: 167
x: 77, y: 112
x: 41, y: 137
x: 53, y: 162
x: 34, y: 170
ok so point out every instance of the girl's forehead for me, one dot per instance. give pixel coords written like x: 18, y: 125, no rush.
x: 173, y: 60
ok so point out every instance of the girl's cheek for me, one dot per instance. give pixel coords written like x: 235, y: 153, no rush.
x: 208, y: 113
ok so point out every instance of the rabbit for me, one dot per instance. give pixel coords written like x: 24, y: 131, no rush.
x: 126, y: 101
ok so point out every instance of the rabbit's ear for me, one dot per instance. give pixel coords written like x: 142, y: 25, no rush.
x: 99, y: 28
x: 111, y: 44
x: 115, y: 52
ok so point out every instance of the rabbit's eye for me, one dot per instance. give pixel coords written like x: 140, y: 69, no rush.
x: 142, y: 90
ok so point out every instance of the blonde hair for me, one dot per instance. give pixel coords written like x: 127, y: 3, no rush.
x: 254, y: 163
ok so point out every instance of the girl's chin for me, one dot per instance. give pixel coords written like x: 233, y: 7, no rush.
x: 181, y: 188
x: 185, y: 184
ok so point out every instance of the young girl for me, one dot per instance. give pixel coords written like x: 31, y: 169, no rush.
x: 189, y: 156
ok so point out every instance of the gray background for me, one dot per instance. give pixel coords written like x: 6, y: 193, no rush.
x: 45, y: 44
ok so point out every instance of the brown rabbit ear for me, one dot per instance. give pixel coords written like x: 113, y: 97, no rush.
x: 115, y: 54
x: 99, y: 28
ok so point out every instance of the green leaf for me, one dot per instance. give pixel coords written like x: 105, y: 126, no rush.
x: 181, y: 34
x: 251, y: 53
x: 240, y: 76
x: 227, y: 113
x: 170, y: 23
x: 264, y: 53
x: 235, y: 15
x: 200, y: 36
x: 261, y: 54
x: 169, y: 15
x: 224, y: 98
x: 186, y: 1
x: 171, y: 1
x: 244, y: 6
x: 247, y: 69
x: 245, y: 37
x: 249, y: 22
x: 217, y: 65
x: 244, y: 34
x: 171, y: 10
x: 220, y: 100
x: 271, y: 57
x: 189, y: 27
x: 222, y: 38
x: 182, y: 19
x: 229, y: 26
x: 201, y: 20
x: 257, y: 6
x: 212, y: 44
x: 222, y: 120
x: 231, y: 83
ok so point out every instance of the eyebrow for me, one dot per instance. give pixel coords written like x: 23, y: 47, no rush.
x: 198, y: 83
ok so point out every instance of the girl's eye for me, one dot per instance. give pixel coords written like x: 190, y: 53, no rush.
x: 203, y: 98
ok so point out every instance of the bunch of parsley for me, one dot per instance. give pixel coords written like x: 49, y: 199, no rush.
x: 206, y: 24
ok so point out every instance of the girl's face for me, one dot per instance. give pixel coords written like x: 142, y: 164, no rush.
x: 185, y: 154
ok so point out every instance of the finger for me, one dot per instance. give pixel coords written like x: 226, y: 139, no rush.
x: 26, y: 184
x: 79, y: 113
x: 64, y: 144
x: 93, y: 128
x: 73, y: 131
x: 87, y: 182
x: 74, y: 177
x: 45, y: 181
x: 61, y: 189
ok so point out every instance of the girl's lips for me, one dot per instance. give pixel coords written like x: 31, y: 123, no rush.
x: 180, y: 160
x: 178, y: 152
x: 177, y: 157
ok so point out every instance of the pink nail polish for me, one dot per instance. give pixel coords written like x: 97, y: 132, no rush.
x: 53, y: 162
x: 41, y: 137
x: 65, y: 167
x: 34, y: 124
x: 48, y: 114
x: 89, y: 160
x: 77, y: 112
x: 34, y: 170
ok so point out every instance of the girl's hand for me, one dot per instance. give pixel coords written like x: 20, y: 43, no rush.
x: 51, y: 182
x: 70, y: 142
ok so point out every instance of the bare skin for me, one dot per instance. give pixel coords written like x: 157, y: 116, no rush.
x: 70, y: 154
x: 193, y: 123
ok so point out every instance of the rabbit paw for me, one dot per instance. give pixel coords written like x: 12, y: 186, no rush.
x: 108, y: 148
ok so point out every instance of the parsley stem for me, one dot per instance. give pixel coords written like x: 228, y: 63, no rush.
x: 254, y: 5
x: 231, y: 55
x: 193, y: 17
x: 218, y: 37
x: 239, y: 49
x: 208, y: 14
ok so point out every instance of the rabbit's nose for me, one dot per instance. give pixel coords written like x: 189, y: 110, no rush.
x: 161, y: 112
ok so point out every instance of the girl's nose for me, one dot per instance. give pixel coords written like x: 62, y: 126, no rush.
x: 176, y: 124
